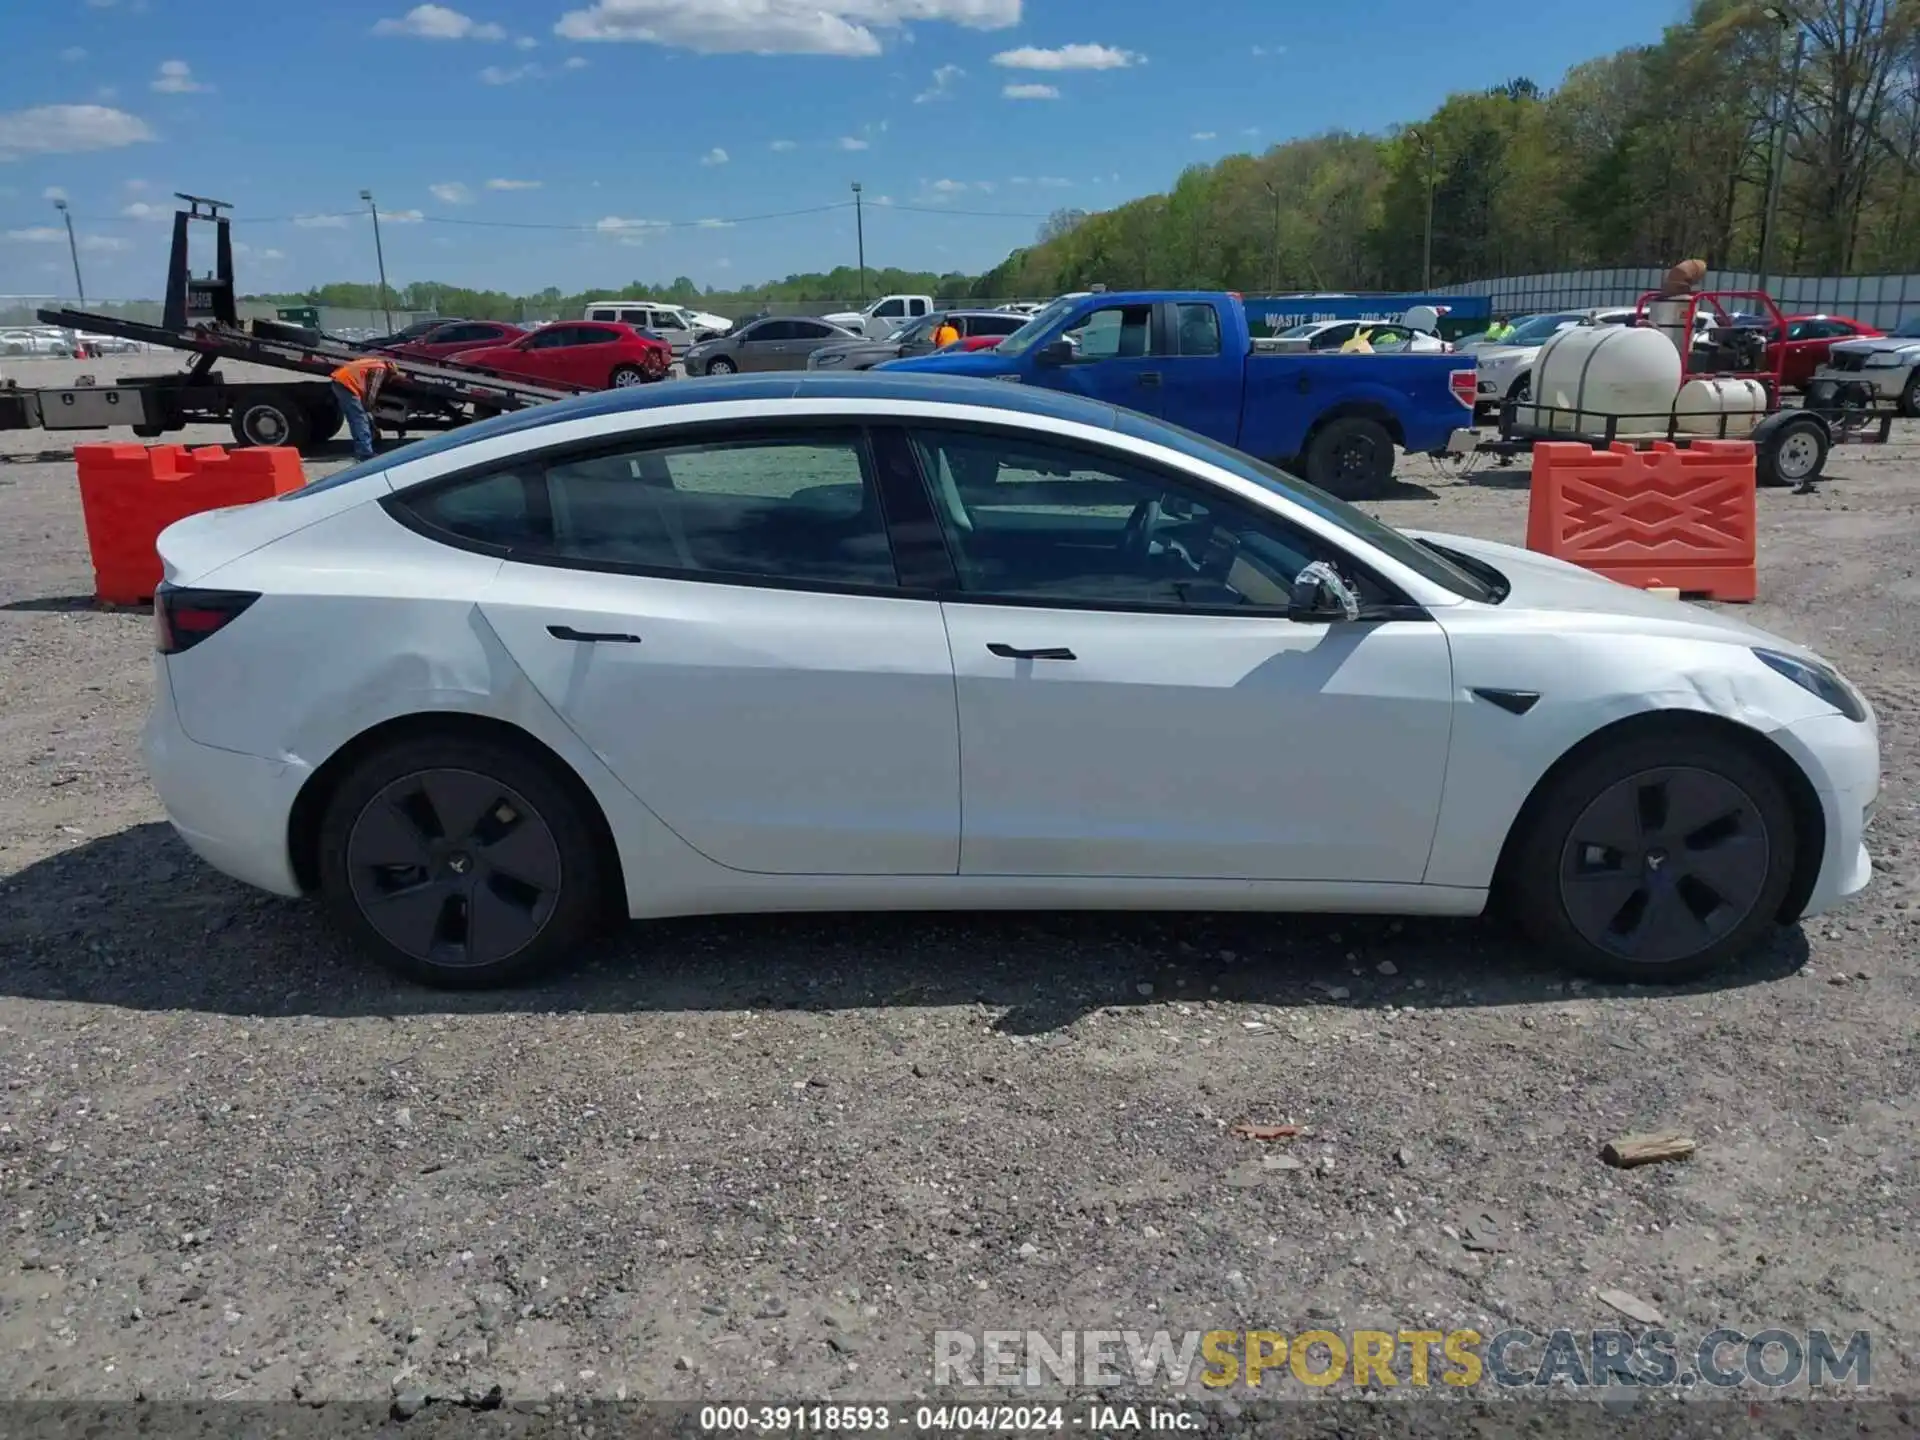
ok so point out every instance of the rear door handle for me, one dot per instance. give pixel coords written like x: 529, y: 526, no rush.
x: 1150, y: 379
x: 592, y: 637
x: 1045, y: 652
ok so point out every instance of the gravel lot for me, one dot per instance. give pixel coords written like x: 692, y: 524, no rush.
x: 769, y: 1157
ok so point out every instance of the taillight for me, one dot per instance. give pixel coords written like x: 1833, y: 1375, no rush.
x: 182, y: 617
x: 1465, y: 385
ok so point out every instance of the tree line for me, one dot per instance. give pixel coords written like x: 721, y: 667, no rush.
x: 1653, y: 154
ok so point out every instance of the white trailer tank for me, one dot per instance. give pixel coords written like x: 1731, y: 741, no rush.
x: 1589, y: 375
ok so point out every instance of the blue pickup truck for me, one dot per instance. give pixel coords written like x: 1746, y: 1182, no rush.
x: 1188, y: 357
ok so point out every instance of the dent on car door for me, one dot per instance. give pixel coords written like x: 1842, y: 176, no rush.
x: 717, y: 615
x: 1135, y: 703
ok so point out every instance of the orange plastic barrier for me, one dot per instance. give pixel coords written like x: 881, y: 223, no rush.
x: 1671, y: 517
x: 130, y: 493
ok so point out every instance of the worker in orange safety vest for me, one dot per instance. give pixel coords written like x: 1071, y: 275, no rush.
x: 356, y: 385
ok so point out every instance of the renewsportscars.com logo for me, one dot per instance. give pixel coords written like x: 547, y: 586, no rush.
x: 1222, y: 1360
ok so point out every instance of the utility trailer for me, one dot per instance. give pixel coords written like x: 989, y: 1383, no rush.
x: 202, y: 319
x: 1791, y: 443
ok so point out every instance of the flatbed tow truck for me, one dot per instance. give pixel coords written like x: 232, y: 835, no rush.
x: 201, y: 318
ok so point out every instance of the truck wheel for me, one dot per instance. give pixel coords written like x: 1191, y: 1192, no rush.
x: 1910, y: 397
x: 1351, y: 458
x: 270, y: 417
x: 325, y: 420
x: 1792, y: 455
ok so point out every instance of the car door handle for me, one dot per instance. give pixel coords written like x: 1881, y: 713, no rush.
x: 1045, y: 652
x: 1150, y: 379
x: 592, y: 637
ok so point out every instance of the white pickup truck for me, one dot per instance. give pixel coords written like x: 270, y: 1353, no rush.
x: 1889, y: 364
x: 884, y: 316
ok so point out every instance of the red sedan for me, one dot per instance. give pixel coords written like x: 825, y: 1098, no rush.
x: 1808, y: 338
x: 444, y: 341
x: 586, y: 355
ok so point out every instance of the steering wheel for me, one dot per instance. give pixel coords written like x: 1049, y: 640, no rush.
x: 1136, y: 540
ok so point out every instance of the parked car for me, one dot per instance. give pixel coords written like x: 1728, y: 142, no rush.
x: 1187, y: 357
x: 1382, y: 335
x: 898, y: 641
x: 780, y: 342
x: 1022, y: 307
x: 670, y: 323
x: 884, y: 316
x: 1808, y: 340
x: 917, y: 339
x: 1889, y: 364
x: 35, y: 342
x: 407, y: 333
x: 588, y: 356
x: 449, y: 339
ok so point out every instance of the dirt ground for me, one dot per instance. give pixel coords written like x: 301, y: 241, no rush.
x: 769, y: 1157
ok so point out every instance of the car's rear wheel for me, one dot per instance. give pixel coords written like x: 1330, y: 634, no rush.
x: 1352, y: 457
x: 1655, y: 859
x: 461, y: 862
x: 626, y: 375
x: 721, y: 365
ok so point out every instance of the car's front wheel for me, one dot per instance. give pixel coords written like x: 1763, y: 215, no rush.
x: 1910, y: 397
x: 1656, y: 858
x: 721, y: 365
x: 461, y: 862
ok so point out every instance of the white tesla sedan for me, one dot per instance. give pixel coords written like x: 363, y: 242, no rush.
x: 904, y: 642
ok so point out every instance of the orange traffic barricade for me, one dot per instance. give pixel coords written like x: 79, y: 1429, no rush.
x: 130, y: 493
x: 1672, y: 517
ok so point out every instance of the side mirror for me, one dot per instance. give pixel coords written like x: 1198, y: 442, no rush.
x: 1056, y: 352
x: 1320, y: 596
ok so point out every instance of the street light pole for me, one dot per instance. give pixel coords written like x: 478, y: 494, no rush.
x: 73, y: 249
x: 1274, y: 262
x: 1782, y: 135
x: 860, y: 238
x: 380, y: 255
x: 1426, y: 250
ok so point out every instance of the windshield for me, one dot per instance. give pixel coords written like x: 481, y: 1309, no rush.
x: 1426, y: 561
x: 1021, y: 340
x: 1538, y: 329
x: 919, y: 330
x: 1907, y: 329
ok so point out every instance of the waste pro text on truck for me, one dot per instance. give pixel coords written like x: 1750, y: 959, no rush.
x: 1187, y: 357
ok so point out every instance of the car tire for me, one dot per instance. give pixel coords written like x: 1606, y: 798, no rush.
x: 625, y: 376
x: 1793, y: 454
x: 1909, y: 402
x: 270, y: 417
x: 1351, y: 458
x: 1521, y: 391
x: 721, y: 365
x: 412, y: 911
x: 1603, y: 867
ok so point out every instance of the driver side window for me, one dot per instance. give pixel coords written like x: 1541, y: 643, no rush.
x: 1081, y: 528
x: 1112, y: 332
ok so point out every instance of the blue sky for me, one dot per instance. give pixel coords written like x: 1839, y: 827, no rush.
x: 625, y: 124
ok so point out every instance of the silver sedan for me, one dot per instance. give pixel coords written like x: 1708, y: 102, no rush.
x: 778, y: 342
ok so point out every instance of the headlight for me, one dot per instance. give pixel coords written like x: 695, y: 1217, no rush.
x: 1817, y: 680
x: 1888, y: 359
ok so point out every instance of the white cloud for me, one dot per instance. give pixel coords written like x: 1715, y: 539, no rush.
x: 715, y: 224
x: 715, y: 156
x: 514, y: 184
x: 136, y: 186
x: 942, y: 86
x: 53, y: 192
x: 321, y: 222
x: 1069, y: 57
x: 1250, y: 130
x: 57, y: 235
x: 575, y: 62
x: 141, y: 210
x: 451, y: 192
x: 851, y: 142
x: 1053, y: 182
x: 883, y: 200
x: 402, y: 217
x: 947, y: 187
x: 176, y: 78
x: 1030, y: 92
x: 618, y: 224
x: 525, y: 42
x: 783, y: 146
x: 1269, y: 49
x: 775, y: 27
x: 437, y: 22
x: 1203, y: 135
x: 73, y: 54
x: 68, y: 129
x: 508, y: 75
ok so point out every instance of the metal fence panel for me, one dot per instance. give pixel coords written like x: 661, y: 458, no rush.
x: 1879, y: 300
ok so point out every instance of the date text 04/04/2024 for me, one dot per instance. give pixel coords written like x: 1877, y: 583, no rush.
x: 946, y: 1419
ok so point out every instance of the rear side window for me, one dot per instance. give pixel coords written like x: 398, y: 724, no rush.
x: 602, y: 315
x: 800, y: 508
